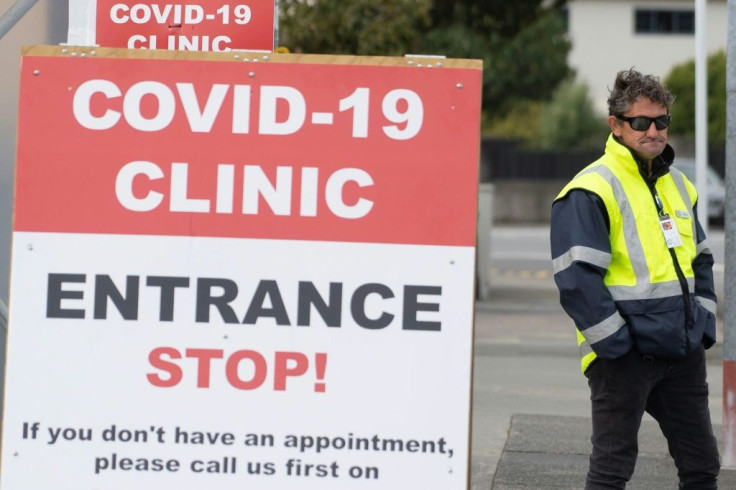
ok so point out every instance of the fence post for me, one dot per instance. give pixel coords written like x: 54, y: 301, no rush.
x: 483, y: 257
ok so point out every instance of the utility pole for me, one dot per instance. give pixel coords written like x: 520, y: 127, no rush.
x: 701, y: 111
x: 728, y: 301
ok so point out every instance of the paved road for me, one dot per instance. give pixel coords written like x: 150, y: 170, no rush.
x: 526, y: 363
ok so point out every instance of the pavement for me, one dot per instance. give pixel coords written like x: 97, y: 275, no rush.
x: 531, y: 420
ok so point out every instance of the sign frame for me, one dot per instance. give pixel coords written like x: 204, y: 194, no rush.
x: 63, y: 256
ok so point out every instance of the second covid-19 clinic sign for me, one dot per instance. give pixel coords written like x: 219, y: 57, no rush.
x: 211, y: 25
x: 241, y: 275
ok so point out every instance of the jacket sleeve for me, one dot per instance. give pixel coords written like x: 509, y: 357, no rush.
x: 705, y: 293
x: 581, y: 254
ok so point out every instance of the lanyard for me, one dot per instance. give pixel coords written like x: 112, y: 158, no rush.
x: 658, y: 203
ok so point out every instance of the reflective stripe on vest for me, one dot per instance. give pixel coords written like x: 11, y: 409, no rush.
x: 708, y: 304
x: 587, y: 356
x: 604, y: 329
x: 581, y: 254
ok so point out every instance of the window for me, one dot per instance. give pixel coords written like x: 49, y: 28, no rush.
x: 649, y: 21
x: 565, y: 14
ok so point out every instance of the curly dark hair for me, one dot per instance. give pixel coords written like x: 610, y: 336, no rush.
x: 630, y: 85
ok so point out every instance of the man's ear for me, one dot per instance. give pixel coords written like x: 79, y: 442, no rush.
x: 615, y: 124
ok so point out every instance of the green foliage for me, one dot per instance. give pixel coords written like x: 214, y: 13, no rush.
x: 529, y: 66
x: 360, y: 27
x: 504, y: 19
x: 681, y: 82
x: 521, y: 122
x: 569, y: 121
x: 523, y: 45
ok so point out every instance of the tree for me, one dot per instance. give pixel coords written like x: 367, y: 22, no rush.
x: 529, y: 67
x: 681, y: 82
x: 504, y: 19
x: 569, y: 121
x: 522, y: 43
x: 359, y: 27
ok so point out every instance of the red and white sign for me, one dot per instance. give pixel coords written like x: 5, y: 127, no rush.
x: 236, y: 275
x: 207, y: 25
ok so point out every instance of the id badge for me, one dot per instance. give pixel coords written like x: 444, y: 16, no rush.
x: 669, y: 229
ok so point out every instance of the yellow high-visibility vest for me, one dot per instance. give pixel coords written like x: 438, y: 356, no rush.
x: 641, y: 267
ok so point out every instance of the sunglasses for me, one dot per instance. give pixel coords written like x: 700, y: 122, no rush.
x: 642, y: 123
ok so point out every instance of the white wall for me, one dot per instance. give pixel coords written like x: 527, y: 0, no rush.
x: 604, y: 41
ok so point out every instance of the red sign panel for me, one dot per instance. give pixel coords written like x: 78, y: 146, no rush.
x: 205, y: 26
x: 351, y: 153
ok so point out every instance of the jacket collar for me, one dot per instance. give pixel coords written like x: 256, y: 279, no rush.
x: 660, y: 164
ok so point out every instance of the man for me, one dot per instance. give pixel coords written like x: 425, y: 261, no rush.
x: 635, y: 274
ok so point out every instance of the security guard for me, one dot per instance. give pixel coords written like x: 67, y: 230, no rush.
x: 636, y: 276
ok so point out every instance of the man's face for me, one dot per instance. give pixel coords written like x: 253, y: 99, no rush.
x: 648, y: 143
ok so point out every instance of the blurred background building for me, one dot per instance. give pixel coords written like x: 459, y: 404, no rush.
x: 650, y: 35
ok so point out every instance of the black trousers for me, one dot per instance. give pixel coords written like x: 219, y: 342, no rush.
x: 675, y: 394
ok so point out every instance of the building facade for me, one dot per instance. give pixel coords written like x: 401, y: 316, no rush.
x: 651, y: 36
